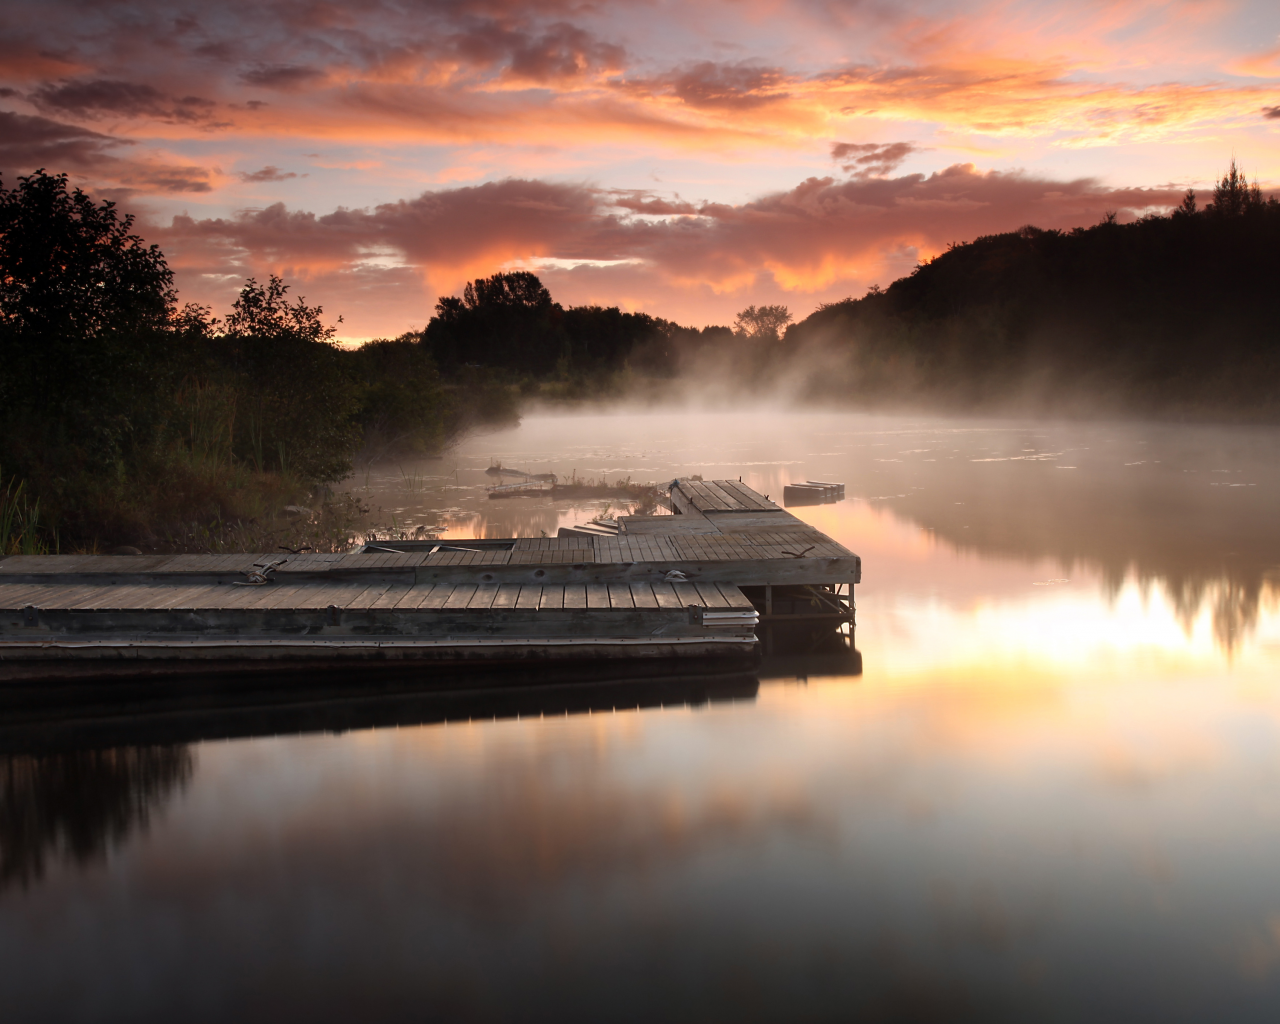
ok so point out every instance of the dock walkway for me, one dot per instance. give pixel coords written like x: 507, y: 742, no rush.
x: 694, y: 583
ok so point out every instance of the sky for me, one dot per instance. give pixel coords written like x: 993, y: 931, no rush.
x: 683, y: 159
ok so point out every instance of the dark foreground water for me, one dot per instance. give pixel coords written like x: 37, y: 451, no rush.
x: 1053, y: 794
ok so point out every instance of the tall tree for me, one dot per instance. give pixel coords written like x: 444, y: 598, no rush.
x: 765, y: 323
x: 1233, y: 196
x: 84, y: 303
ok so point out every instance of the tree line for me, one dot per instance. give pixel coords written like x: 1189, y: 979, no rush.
x: 1174, y: 315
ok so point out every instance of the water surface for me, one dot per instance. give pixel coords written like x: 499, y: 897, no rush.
x: 1053, y: 793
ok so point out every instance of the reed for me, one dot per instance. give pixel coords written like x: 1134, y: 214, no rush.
x: 22, y: 531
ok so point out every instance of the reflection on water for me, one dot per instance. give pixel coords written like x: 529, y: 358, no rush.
x: 77, y: 806
x: 1186, y: 510
x: 1053, y: 792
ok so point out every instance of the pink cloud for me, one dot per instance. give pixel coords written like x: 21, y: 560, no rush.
x: 823, y: 236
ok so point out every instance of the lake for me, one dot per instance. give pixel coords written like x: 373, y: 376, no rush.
x: 1052, y: 793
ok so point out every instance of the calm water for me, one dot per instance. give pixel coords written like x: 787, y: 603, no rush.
x: 1053, y: 794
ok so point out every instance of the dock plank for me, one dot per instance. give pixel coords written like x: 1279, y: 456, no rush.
x: 438, y: 596
x: 529, y: 596
x: 575, y: 595
x: 687, y: 594
x: 732, y: 502
x: 597, y: 595
x: 711, y: 596
x: 552, y: 597
x: 642, y: 596
x: 461, y: 596
x: 483, y: 596
x: 391, y: 596
x: 735, y: 597
x: 666, y: 596
x: 420, y: 593
x: 620, y: 596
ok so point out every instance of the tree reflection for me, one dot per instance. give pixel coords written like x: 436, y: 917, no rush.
x: 1190, y: 509
x: 77, y: 806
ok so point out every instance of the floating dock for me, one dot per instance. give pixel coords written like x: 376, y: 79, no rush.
x: 701, y: 583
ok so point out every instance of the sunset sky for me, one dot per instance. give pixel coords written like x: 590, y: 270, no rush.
x: 685, y: 159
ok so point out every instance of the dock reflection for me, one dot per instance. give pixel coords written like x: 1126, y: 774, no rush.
x: 195, y: 709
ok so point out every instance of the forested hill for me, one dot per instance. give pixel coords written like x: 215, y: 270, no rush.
x: 1176, y: 314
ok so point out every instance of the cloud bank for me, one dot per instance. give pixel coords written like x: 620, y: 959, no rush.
x: 825, y: 237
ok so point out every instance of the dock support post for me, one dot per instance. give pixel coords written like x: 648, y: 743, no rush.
x: 768, y: 610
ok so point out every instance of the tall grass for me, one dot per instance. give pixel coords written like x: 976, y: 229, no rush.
x: 21, y: 529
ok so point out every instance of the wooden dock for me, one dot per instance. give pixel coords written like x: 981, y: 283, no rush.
x: 695, y: 584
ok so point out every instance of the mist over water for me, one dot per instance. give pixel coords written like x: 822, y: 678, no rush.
x: 1051, y: 794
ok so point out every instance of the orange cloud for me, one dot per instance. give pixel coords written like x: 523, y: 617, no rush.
x: 557, y: 75
x: 820, y: 234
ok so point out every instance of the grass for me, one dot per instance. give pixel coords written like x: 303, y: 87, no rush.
x: 22, y: 531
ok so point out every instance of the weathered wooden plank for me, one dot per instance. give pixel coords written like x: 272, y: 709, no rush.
x: 731, y: 501
x: 508, y: 594
x: 642, y: 596
x: 620, y: 596
x: 420, y: 593
x: 318, y: 596
x: 687, y: 594
x: 597, y: 595
x: 280, y: 594
x: 704, y: 499
x: 666, y: 596
x: 753, y: 499
x: 460, y: 597
x: 575, y: 595
x: 735, y: 597
x: 105, y: 599
x: 438, y: 596
x: 711, y: 596
x: 529, y: 597
x: 552, y: 597
x: 20, y: 595
x: 483, y: 596
x: 390, y: 597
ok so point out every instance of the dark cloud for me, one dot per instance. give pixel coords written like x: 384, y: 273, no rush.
x: 96, y: 97
x: 281, y: 76
x: 804, y: 232
x: 268, y: 173
x: 28, y: 142
x: 1272, y: 113
x: 562, y: 52
x: 644, y: 202
x: 871, y: 159
x: 731, y: 86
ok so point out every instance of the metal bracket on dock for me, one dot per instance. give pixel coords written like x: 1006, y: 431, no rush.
x: 699, y: 616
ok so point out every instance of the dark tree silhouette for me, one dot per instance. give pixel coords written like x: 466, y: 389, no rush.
x: 1233, y: 196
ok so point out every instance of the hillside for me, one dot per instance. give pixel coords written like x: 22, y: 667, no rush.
x: 1177, y: 314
